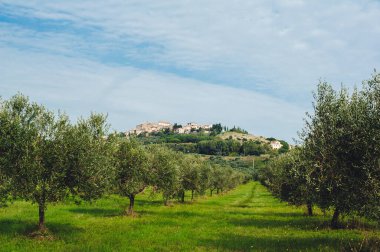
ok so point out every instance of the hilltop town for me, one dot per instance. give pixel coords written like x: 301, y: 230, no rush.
x: 152, y: 127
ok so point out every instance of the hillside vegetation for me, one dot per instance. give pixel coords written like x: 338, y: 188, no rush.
x: 242, y: 137
x: 225, y: 143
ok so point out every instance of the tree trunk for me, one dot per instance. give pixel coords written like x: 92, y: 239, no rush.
x: 183, y: 197
x: 166, y: 201
x: 211, y: 192
x: 41, y: 212
x: 335, y: 219
x: 309, y: 209
x: 192, y: 194
x: 131, y: 204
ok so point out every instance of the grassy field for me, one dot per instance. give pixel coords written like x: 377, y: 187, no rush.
x: 246, y: 219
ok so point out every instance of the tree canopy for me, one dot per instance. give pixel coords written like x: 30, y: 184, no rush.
x: 45, y: 158
x: 337, y: 165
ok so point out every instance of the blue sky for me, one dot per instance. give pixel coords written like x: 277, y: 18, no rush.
x: 248, y: 63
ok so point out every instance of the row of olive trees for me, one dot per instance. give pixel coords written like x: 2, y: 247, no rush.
x: 337, y: 166
x: 44, y: 158
x: 288, y: 179
x: 169, y: 172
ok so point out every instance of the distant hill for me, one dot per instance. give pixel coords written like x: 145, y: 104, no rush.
x: 213, y: 139
x: 241, y: 137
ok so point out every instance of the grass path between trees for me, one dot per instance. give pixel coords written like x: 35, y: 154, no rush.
x: 245, y: 219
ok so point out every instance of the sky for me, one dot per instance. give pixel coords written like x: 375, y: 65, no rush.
x: 251, y: 63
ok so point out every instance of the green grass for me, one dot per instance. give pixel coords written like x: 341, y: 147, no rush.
x: 245, y: 219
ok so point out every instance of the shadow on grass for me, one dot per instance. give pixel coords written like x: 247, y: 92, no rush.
x: 252, y: 206
x: 213, y: 202
x: 271, y: 214
x: 171, y: 214
x: 25, y: 228
x: 98, y: 212
x: 302, y: 223
x: 16, y: 227
x: 107, y: 212
x: 233, y: 242
x: 118, y: 211
x: 242, y: 205
x: 143, y: 202
x: 295, y: 220
x: 282, y: 214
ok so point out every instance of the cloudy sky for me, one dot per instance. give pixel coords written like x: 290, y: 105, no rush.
x: 250, y: 63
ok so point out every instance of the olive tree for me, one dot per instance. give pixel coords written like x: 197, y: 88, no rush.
x: 220, y: 178
x: 33, y: 152
x: 132, y: 171
x: 5, y: 183
x: 5, y: 187
x: 164, y: 167
x: 204, y: 177
x: 288, y: 179
x: 188, y: 176
x: 341, y: 143
x: 91, y: 164
x: 370, y: 140
x: 234, y: 178
x: 46, y: 158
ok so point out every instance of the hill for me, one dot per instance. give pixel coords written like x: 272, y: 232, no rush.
x: 241, y: 137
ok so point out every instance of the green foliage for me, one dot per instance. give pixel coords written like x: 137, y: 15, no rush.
x: 213, y: 147
x: 231, y: 146
x: 253, y: 148
x: 248, y: 167
x: 189, y: 176
x: 337, y: 166
x: 165, y: 171
x: 33, y: 151
x: 45, y: 158
x: 174, y: 173
x: 284, y: 148
x: 224, y: 178
x: 5, y: 189
x: 161, y: 137
x: 183, y: 147
x: 288, y: 178
x: 341, y: 140
x: 205, y: 177
x: 238, y: 130
x: 91, y: 169
x: 177, y: 126
x: 132, y: 170
x: 216, y: 129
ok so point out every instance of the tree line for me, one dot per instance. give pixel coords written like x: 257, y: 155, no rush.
x: 45, y: 159
x: 228, y: 147
x: 337, y: 163
x: 170, y: 172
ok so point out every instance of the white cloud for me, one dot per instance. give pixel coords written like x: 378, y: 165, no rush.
x: 273, y: 46
x: 131, y: 96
